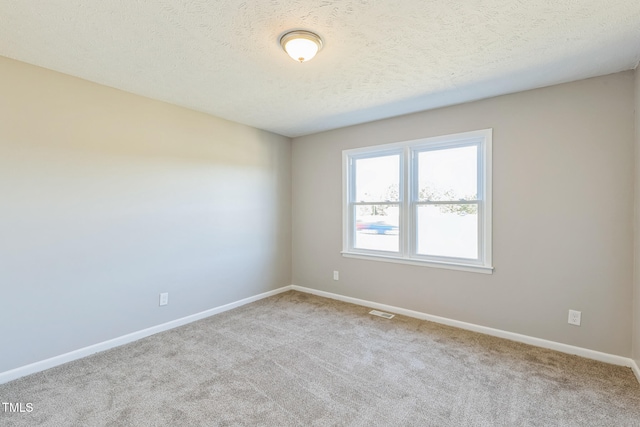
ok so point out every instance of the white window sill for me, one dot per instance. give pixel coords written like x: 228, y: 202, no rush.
x: 435, y: 264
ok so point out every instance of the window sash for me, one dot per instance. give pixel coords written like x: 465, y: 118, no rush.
x: 376, y: 251
x: 414, y: 235
x: 352, y: 203
x: 415, y: 201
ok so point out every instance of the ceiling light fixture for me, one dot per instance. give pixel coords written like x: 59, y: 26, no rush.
x: 301, y: 45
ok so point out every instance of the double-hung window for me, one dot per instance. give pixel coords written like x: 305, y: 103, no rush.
x: 424, y: 202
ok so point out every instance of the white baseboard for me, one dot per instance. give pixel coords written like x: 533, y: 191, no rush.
x: 125, y: 339
x: 134, y: 336
x: 635, y: 369
x: 538, y: 342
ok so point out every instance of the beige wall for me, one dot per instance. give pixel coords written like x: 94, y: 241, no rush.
x: 636, y: 282
x: 562, y: 225
x: 108, y: 199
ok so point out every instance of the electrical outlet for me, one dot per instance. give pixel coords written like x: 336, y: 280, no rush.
x: 575, y: 317
x: 164, y: 298
x: 336, y: 275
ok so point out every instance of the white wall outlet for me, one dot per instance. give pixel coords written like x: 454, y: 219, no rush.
x: 336, y: 275
x: 575, y: 317
x: 164, y: 298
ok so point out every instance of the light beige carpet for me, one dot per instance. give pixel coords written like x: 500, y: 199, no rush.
x: 300, y: 360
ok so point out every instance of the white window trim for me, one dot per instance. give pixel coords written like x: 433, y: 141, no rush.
x: 407, y: 150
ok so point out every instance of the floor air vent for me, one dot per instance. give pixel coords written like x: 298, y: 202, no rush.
x: 382, y: 314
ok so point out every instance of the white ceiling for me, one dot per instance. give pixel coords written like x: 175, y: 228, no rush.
x: 381, y: 58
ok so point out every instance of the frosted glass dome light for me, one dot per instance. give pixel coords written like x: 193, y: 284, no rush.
x: 301, y: 45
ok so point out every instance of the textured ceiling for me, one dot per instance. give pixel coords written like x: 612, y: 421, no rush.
x: 381, y: 58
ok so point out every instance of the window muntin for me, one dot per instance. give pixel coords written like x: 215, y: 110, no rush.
x: 425, y: 201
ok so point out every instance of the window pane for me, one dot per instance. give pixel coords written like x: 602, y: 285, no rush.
x: 378, y: 179
x: 448, y: 174
x: 377, y: 227
x: 448, y: 230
